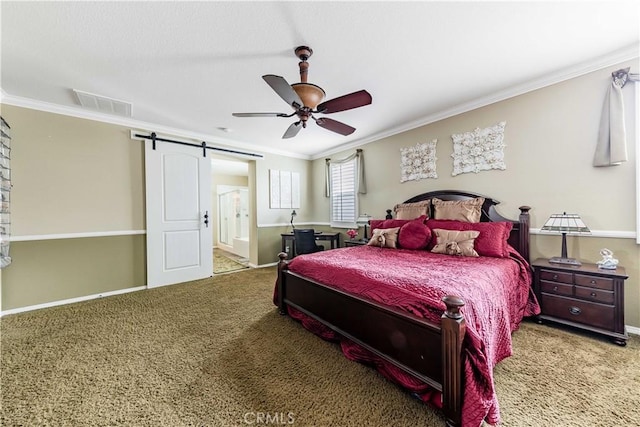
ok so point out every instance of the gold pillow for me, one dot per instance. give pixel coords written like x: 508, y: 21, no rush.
x: 455, y: 242
x: 412, y: 210
x: 461, y: 210
x: 384, y: 237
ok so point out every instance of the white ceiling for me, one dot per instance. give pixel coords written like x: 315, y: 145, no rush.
x: 186, y: 66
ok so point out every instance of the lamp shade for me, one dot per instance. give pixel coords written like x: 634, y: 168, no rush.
x: 363, y: 219
x: 564, y: 224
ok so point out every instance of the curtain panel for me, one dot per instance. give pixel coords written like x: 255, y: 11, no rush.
x: 361, y: 184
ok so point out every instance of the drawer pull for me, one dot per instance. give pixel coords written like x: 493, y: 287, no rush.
x: 555, y: 277
x: 593, y: 294
x: 575, y: 310
x: 555, y: 288
x: 594, y: 282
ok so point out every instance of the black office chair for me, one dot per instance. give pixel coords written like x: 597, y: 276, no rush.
x: 305, y: 239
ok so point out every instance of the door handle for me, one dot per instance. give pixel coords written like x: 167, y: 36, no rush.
x: 206, y: 219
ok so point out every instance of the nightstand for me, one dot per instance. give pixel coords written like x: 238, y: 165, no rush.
x: 585, y: 297
x: 359, y: 242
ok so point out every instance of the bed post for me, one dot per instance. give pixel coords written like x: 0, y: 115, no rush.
x: 282, y: 265
x: 524, y: 232
x: 453, y: 329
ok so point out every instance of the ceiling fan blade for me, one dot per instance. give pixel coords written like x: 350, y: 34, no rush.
x: 335, y: 126
x: 259, y: 115
x: 284, y: 89
x: 345, y: 102
x: 292, y: 130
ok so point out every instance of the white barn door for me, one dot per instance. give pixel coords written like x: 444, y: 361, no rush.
x: 179, y: 238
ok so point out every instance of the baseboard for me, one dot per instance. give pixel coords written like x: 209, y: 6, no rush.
x: 70, y: 301
x: 633, y: 330
x: 272, y: 264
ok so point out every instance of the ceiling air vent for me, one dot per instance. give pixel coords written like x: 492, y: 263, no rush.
x: 103, y: 104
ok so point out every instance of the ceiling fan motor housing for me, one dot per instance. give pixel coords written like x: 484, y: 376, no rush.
x: 310, y: 94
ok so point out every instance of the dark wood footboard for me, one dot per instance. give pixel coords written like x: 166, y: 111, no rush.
x: 429, y: 352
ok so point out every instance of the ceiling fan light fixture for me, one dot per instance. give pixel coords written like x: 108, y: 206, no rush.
x: 310, y: 94
x: 306, y: 99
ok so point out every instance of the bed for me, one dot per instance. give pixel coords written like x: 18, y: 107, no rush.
x: 435, y: 333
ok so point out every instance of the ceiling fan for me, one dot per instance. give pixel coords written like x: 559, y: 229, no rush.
x: 306, y: 100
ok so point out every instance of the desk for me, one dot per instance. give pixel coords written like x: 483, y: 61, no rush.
x: 333, y: 238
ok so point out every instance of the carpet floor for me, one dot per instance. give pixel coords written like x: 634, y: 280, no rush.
x: 223, y: 263
x: 215, y: 352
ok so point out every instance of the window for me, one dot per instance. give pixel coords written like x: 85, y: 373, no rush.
x: 343, y: 191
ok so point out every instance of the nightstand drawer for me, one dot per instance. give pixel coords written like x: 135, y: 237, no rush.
x: 594, y: 282
x: 593, y: 314
x: 597, y: 295
x: 556, y: 276
x: 556, y: 288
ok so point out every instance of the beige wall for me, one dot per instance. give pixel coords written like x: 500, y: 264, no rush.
x: 70, y: 176
x: 73, y: 175
x: 550, y: 138
x: 55, y: 270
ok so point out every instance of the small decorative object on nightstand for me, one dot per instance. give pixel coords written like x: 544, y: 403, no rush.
x: 608, y: 262
x: 585, y: 297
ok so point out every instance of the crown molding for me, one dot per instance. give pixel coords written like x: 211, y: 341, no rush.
x: 625, y: 54
x: 48, y: 107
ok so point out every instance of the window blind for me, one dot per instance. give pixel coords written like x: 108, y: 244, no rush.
x: 343, y: 193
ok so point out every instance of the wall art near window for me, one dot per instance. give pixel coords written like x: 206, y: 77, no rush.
x: 482, y: 149
x: 418, y: 162
x: 284, y: 189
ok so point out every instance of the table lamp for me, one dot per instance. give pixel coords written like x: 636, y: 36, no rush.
x: 363, y: 220
x: 565, y: 223
x: 293, y: 215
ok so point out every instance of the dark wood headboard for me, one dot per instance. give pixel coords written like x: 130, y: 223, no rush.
x: 519, y: 237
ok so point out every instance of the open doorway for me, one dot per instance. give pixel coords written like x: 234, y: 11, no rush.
x: 233, y: 219
x: 230, y: 211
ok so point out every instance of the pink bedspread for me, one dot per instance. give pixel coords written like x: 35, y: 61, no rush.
x: 496, y: 291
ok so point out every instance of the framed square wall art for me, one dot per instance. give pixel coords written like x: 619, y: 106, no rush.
x: 481, y: 149
x: 284, y: 189
x: 418, y: 162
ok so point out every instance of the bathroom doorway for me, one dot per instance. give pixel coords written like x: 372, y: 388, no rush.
x: 233, y: 219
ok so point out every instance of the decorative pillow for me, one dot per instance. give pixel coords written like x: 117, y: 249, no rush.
x: 384, y: 237
x: 414, y: 234
x: 412, y: 210
x: 461, y: 210
x: 387, y: 223
x: 492, y: 240
x: 455, y: 242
